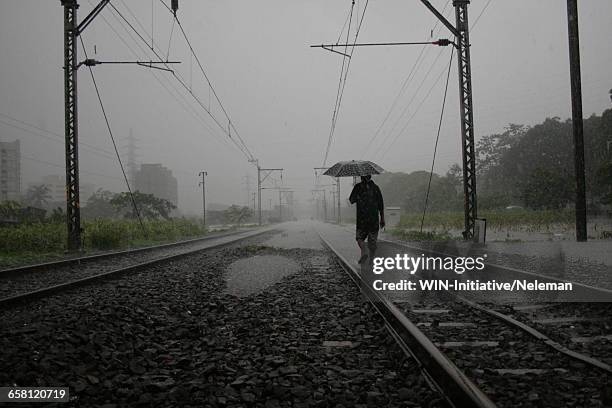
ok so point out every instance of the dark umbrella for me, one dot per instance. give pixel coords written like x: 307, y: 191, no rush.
x: 353, y: 168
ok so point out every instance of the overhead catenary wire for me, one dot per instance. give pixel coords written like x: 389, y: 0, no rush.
x: 344, y: 25
x: 110, y: 132
x: 429, y: 92
x: 343, y: 82
x: 187, y: 106
x: 389, y: 135
x: 433, y: 161
x: 231, y: 125
x: 246, y: 153
x: 170, y: 39
x: 417, y: 63
x: 345, y: 56
x: 179, y: 97
x: 54, y: 136
x: 214, y: 92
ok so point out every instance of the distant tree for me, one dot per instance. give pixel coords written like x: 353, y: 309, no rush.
x: 9, y: 210
x: 604, y: 182
x: 237, y: 214
x: 442, y: 193
x: 37, y: 196
x: 492, y: 148
x: 455, y: 176
x: 409, y: 190
x: 99, y: 205
x: 57, y: 216
x: 148, y: 205
x: 547, y: 189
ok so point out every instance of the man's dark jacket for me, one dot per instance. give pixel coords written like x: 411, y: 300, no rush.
x: 369, y: 201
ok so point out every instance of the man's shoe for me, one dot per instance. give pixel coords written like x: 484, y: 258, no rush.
x: 362, y: 258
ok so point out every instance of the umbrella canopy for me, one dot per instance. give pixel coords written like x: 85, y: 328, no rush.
x: 353, y: 168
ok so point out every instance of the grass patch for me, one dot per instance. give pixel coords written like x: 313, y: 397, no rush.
x: 412, y: 235
x: 518, y: 219
x: 42, y: 242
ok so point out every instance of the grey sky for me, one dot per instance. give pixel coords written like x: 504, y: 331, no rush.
x: 280, y: 93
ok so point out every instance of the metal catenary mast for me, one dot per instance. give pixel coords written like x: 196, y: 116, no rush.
x: 72, y: 30
x: 462, y: 35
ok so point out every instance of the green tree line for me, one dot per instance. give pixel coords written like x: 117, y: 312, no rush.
x: 531, y: 167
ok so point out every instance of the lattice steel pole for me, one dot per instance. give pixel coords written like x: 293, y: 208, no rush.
x: 467, y: 116
x: 73, y: 213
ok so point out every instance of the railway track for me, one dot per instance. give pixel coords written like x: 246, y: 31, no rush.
x: 36, y: 281
x: 484, y: 355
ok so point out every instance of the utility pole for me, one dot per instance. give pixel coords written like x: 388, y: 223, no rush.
x: 318, y: 190
x: 72, y: 30
x: 316, y: 169
x: 461, y: 32
x: 73, y: 211
x: 203, y: 184
x: 576, y: 85
x: 280, y: 205
x: 260, y: 180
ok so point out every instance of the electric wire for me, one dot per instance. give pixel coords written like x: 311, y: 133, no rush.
x: 343, y: 26
x: 433, y: 161
x: 417, y: 64
x: 185, y: 104
x: 58, y: 138
x: 343, y: 82
x: 182, y: 82
x: 248, y: 153
x: 231, y: 125
x: 110, y: 132
x: 414, y: 113
x: 480, y: 15
x: 426, y: 97
x: 333, y: 121
x: 405, y: 110
x: 170, y: 39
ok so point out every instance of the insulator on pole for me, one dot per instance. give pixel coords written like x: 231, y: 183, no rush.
x: 174, y: 6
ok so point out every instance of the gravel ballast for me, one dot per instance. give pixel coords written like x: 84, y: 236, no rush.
x: 171, y: 335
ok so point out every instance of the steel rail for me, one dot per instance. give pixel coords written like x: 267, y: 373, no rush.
x: 89, y: 258
x: 514, y: 323
x: 48, y: 291
x: 451, y: 382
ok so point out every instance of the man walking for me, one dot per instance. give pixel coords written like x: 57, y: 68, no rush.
x: 369, y: 201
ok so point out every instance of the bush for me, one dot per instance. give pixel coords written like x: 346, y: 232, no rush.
x: 101, y: 234
x: 105, y: 234
x: 530, y: 220
x: 37, y: 237
x: 412, y: 235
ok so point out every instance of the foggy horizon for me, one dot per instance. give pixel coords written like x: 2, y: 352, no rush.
x: 280, y: 93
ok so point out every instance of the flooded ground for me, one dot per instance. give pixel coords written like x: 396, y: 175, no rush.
x: 251, y: 275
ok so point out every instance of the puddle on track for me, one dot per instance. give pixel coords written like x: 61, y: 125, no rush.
x: 251, y: 275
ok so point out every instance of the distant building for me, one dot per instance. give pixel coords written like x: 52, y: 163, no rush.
x: 10, y: 171
x: 57, y: 190
x: 157, y: 180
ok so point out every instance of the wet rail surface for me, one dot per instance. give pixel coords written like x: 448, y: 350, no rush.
x: 503, y: 352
